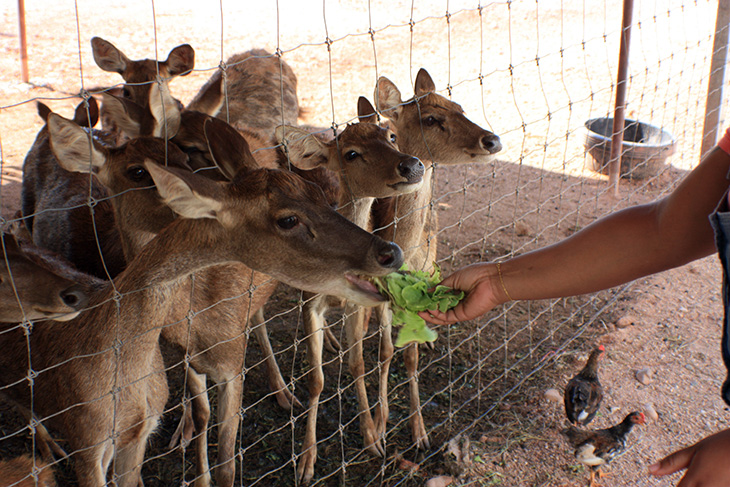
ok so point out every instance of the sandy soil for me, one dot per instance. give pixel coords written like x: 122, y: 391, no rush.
x: 531, y: 73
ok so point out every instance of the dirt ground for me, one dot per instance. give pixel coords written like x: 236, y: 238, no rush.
x: 532, y: 73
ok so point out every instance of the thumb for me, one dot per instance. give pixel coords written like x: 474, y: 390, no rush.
x: 675, y: 462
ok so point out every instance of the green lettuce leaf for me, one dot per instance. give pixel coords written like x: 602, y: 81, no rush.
x: 410, y: 292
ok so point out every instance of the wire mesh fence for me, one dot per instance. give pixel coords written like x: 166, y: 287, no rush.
x: 533, y: 73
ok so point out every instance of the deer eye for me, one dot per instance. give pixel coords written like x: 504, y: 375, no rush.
x: 430, y: 121
x: 137, y: 173
x: 351, y: 154
x: 126, y: 93
x: 287, y: 223
x: 393, y: 138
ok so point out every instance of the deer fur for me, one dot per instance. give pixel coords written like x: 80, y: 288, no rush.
x: 260, y: 92
x: 55, y: 205
x: 26, y: 471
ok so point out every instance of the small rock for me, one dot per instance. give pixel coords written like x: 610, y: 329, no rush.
x: 626, y: 321
x: 522, y: 229
x: 554, y: 395
x: 650, y: 412
x: 645, y: 376
x: 440, y: 481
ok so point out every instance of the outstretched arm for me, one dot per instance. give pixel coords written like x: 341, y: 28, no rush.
x: 618, y: 248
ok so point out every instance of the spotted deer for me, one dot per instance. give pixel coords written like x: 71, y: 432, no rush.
x: 100, y: 377
x: 259, y: 92
x: 365, y: 159
x: 434, y: 129
x: 69, y: 213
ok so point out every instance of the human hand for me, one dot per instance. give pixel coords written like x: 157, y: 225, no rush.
x: 705, y: 461
x: 480, y: 283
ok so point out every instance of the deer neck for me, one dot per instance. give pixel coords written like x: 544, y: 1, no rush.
x: 357, y: 210
x: 413, y: 214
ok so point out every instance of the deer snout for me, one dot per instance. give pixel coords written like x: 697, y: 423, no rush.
x: 411, y: 169
x: 491, y: 143
x: 74, y: 297
x: 390, y: 255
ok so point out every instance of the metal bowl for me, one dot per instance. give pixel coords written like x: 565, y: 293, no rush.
x: 644, y: 150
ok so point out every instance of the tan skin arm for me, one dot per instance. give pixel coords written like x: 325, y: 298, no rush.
x: 618, y: 248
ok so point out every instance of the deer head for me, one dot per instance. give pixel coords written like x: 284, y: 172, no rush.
x: 432, y: 127
x: 36, y: 284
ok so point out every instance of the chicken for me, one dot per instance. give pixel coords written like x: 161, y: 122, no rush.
x: 584, y: 393
x: 598, y: 447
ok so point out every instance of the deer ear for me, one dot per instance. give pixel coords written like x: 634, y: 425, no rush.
x: 388, y: 99
x: 230, y: 151
x: 424, y: 83
x: 210, y: 98
x: 304, y: 150
x: 125, y: 113
x: 43, y: 111
x: 108, y: 57
x: 365, y: 111
x: 190, y: 196
x: 72, y: 146
x: 181, y: 60
x: 165, y: 110
x: 86, y: 115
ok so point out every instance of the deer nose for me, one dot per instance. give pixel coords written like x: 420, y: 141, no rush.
x: 74, y: 297
x: 491, y: 143
x: 411, y: 168
x: 390, y: 256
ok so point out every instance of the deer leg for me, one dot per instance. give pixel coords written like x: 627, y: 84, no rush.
x: 229, y: 401
x: 418, y: 427
x: 355, y: 331
x: 382, y: 409
x: 284, y: 396
x: 91, y: 465
x: 200, y: 415
x: 331, y: 343
x: 47, y: 445
x: 313, y: 326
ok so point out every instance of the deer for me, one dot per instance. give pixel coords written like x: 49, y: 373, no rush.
x: 365, y: 159
x: 139, y: 75
x: 215, y: 340
x: 434, y: 129
x: 259, y: 92
x: 36, y: 284
x: 104, y: 388
x: 69, y: 213
x: 26, y: 471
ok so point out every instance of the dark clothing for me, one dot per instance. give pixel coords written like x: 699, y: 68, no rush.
x: 720, y: 221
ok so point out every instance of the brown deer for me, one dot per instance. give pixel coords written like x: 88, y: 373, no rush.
x: 69, y: 213
x: 368, y: 165
x: 435, y: 129
x: 259, y: 92
x: 215, y: 341
x: 36, y: 284
x: 100, y: 378
x: 26, y: 471
x: 139, y: 75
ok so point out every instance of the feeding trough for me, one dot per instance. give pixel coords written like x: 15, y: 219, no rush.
x: 644, y: 150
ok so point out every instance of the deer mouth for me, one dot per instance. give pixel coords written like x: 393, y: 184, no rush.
x: 365, y: 289
x: 55, y: 315
x: 407, y: 186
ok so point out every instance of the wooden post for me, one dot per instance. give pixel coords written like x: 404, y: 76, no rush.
x: 617, y: 139
x: 713, y: 104
x: 23, y: 44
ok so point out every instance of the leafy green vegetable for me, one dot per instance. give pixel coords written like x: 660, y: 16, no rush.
x: 413, y: 291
